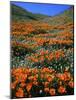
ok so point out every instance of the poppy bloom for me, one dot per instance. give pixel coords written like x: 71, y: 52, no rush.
x: 61, y: 76
x: 20, y: 93
x: 22, y: 77
x: 46, y: 84
x: 52, y: 91
x: 62, y: 90
x: 71, y: 84
x: 46, y: 89
x: 35, y: 83
x: 67, y: 76
x: 42, y: 76
x: 49, y: 79
x: 22, y: 84
x: 35, y: 70
x: 13, y: 85
x: 28, y: 86
x: 57, y: 54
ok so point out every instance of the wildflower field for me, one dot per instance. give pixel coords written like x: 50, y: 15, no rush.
x: 42, y: 55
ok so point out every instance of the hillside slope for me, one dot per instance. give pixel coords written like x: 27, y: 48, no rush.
x: 62, y: 18
x: 18, y: 13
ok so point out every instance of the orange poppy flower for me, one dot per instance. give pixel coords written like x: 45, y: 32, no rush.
x: 52, y: 91
x: 62, y: 90
x: 35, y: 78
x: 61, y: 77
x: 49, y: 79
x: 35, y: 70
x: 22, y: 77
x: 42, y: 76
x: 28, y: 86
x: 46, y: 89
x: 13, y: 85
x: 67, y: 76
x: 20, y: 92
x: 23, y: 84
x: 46, y: 84
x: 30, y: 78
x: 71, y: 84
x: 35, y: 83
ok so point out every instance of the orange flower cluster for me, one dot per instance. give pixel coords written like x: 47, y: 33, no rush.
x: 52, y: 41
x: 23, y: 45
x: 47, y: 50
x: 19, y: 28
x: 25, y: 29
x: 46, y: 55
x: 23, y: 80
x: 69, y: 25
x: 65, y: 35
